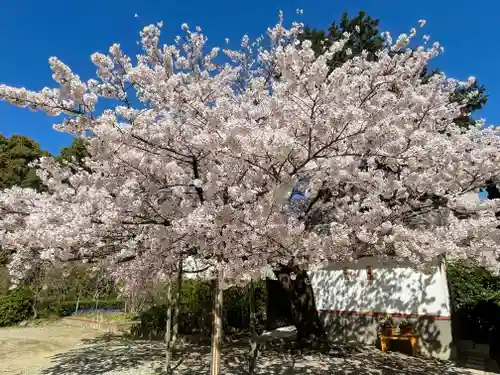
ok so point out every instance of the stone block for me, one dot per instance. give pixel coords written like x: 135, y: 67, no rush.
x: 466, y: 344
x: 484, y: 349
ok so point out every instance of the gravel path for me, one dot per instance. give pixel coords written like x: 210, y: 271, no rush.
x: 57, y: 349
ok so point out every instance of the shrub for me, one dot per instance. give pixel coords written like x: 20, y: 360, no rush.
x: 475, y: 298
x: 471, y: 285
x: 195, y: 310
x: 16, y: 306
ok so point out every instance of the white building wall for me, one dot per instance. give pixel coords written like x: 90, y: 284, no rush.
x: 395, y: 289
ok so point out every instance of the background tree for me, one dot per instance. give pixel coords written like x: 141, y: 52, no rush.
x: 76, y: 153
x: 16, y: 154
x: 366, y: 36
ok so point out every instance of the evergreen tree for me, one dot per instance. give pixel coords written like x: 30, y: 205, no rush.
x: 74, y: 154
x: 16, y: 154
x: 366, y: 36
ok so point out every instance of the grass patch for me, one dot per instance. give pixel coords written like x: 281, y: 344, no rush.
x: 110, y: 317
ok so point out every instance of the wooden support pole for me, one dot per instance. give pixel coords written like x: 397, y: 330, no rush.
x: 177, y: 302
x: 168, y: 334
x: 217, y: 326
x: 253, y: 323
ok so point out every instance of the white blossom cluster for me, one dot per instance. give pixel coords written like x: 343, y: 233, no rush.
x: 201, y: 149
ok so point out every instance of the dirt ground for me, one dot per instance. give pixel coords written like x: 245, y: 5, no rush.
x: 26, y: 350
x: 57, y: 349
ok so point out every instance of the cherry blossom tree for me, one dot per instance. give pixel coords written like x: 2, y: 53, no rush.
x: 199, y: 151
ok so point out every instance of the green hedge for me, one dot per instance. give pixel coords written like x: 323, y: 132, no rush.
x: 475, y: 298
x: 471, y: 285
x: 195, y: 308
x: 15, y: 307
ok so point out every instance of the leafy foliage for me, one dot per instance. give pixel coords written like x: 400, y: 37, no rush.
x: 365, y: 37
x: 471, y: 285
x: 475, y: 298
x: 15, y: 307
x: 472, y: 97
x: 196, y: 307
x: 75, y: 154
x: 16, y: 153
x: 57, y: 292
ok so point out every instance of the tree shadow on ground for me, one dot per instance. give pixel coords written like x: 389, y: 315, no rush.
x: 115, y: 353
x: 103, y: 354
x: 388, y: 290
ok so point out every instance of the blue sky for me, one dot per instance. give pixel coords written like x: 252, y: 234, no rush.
x: 32, y: 30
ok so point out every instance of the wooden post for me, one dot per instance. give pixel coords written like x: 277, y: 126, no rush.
x: 78, y: 300
x: 216, y: 326
x: 253, y: 338
x: 177, y: 299
x: 168, y: 334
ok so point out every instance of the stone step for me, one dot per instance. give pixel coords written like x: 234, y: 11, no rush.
x: 466, y: 344
x: 475, y: 353
x: 475, y: 363
x: 475, y: 359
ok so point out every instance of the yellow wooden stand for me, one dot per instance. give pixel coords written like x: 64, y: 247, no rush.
x: 385, y: 340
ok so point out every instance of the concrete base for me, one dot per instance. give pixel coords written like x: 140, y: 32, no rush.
x: 435, y: 334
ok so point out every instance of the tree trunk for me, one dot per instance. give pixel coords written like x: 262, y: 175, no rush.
x: 253, y: 332
x: 217, y: 326
x: 168, y: 335
x: 297, y: 293
x: 77, y: 301
x: 35, y: 312
x: 175, y: 330
x: 96, y: 297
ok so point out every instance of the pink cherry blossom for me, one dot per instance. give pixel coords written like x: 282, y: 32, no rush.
x: 202, y: 149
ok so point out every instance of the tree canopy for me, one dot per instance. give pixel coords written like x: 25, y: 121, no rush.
x: 76, y: 153
x: 208, y: 159
x: 16, y: 155
x: 366, y: 36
